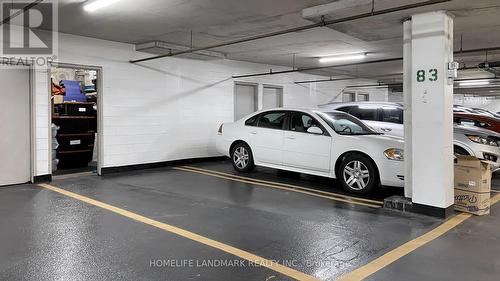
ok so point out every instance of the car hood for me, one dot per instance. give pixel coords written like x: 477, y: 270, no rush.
x: 466, y: 130
x: 380, y: 141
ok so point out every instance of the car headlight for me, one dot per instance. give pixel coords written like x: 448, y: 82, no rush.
x: 483, y: 140
x: 394, y: 154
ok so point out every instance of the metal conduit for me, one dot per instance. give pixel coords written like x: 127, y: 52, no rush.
x: 271, y: 72
x: 300, y: 28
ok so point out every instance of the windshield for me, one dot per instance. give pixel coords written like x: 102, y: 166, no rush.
x: 344, y: 124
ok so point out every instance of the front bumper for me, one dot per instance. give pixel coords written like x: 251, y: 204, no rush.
x: 484, y: 152
x: 391, y: 172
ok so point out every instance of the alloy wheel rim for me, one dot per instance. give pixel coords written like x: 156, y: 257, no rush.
x: 356, y: 175
x: 241, y: 157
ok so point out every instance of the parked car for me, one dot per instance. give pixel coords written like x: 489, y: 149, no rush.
x: 477, y: 120
x: 324, y: 143
x: 481, y: 111
x: 486, y: 112
x: 387, y: 118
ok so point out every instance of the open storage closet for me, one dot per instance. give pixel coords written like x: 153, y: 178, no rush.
x: 74, y: 120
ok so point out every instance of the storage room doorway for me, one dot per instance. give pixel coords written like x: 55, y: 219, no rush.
x: 76, y: 119
x: 15, y: 125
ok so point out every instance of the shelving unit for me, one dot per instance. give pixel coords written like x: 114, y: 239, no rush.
x: 76, y: 135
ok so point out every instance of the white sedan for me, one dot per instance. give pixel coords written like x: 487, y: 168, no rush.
x: 332, y: 144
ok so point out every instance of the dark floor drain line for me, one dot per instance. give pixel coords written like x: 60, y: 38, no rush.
x: 330, y: 196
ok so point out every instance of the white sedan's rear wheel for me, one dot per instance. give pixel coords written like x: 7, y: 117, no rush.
x: 358, y: 174
x: 241, y: 158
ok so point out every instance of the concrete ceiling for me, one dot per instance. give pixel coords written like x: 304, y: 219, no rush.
x: 215, y: 21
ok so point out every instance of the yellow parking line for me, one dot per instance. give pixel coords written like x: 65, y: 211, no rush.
x: 187, y: 234
x: 286, y: 185
x: 280, y: 187
x: 401, y: 251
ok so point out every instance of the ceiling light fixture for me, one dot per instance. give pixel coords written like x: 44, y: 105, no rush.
x: 475, y: 83
x: 342, y: 58
x: 92, y: 6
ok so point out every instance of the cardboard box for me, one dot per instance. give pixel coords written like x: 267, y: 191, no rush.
x: 472, y: 202
x: 472, y: 174
x: 472, y: 185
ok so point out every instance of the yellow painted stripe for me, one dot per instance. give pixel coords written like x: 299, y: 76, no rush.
x: 495, y: 199
x: 401, y: 251
x: 187, y: 234
x: 287, y: 185
x: 334, y: 198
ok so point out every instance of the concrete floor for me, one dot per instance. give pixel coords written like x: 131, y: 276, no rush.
x: 48, y: 236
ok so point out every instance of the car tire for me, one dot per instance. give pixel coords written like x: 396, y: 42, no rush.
x: 358, y: 174
x: 242, y: 158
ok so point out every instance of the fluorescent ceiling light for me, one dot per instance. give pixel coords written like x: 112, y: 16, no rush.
x: 474, y: 83
x: 342, y: 58
x: 98, y: 4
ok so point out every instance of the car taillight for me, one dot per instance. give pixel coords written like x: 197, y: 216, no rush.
x: 220, y: 129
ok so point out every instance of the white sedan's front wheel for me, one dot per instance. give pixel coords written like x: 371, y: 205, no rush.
x: 358, y: 174
x: 242, y: 158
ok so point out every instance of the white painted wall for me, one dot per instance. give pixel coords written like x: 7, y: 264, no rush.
x: 165, y: 109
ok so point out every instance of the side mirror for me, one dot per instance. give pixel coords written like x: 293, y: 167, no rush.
x: 315, y: 130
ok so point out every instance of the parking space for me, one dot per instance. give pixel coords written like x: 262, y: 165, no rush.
x: 318, y: 237
x: 249, y: 140
x: 321, y: 237
x: 291, y: 179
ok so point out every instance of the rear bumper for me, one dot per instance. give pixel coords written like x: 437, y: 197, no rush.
x: 222, y: 145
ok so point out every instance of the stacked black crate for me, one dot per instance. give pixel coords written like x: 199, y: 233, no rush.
x: 77, y: 123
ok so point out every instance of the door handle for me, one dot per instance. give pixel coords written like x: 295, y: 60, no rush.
x: 253, y: 133
x: 291, y: 137
x: 386, y: 129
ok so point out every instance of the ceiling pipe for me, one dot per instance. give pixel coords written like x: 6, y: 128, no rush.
x: 381, y: 84
x: 271, y: 72
x: 378, y: 85
x: 347, y: 78
x: 300, y: 28
x: 491, y: 67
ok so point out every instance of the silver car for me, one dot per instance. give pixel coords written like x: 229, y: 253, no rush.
x: 387, y: 118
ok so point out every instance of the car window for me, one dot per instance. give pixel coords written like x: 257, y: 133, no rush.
x: 252, y: 120
x: 300, y: 122
x: 344, y: 124
x: 392, y: 115
x: 364, y: 112
x: 272, y: 120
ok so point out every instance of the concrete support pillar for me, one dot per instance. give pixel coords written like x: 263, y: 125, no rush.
x: 430, y: 135
x: 407, y: 98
